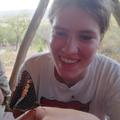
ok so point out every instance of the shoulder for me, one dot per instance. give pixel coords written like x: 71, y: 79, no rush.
x: 105, y: 60
x: 36, y: 63
x: 106, y: 64
x: 38, y: 58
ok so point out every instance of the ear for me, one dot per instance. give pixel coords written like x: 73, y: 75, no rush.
x: 98, y: 45
x: 100, y: 41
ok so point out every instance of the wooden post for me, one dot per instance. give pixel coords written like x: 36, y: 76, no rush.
x: 116, y: 10
x: 27, y: 41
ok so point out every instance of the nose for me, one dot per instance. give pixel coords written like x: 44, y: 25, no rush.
x: 71, y: 46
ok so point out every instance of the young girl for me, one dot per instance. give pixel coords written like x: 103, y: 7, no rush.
x: 72, y: 75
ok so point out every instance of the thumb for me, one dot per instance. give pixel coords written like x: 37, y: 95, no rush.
x: 27, y: 115
x: 40, y: 113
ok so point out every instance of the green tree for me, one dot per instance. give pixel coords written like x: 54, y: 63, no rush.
x: 18, y: 25
x: 12, y: 28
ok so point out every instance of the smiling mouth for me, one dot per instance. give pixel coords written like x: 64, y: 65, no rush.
x: 68, y: 61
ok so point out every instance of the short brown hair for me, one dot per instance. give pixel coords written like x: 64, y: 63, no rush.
x: 100, y: 9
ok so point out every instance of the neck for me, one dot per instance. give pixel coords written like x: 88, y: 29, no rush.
x: 69, y: 83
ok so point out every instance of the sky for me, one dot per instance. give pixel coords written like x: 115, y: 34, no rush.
x: 10, y: 5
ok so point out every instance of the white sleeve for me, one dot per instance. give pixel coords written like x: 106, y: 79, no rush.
x: 113, y: 97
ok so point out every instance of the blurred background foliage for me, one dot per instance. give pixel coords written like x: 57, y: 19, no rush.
x: 13, y: 28
x: 110, y: 45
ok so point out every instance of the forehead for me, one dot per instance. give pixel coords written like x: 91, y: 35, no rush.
x: 73, y: 18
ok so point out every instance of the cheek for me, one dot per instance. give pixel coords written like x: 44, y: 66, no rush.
x: 56, y: 45
x: 89, y: 51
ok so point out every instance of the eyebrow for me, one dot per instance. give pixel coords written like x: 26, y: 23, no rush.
x: 79, y: 31
x: 87, y: 32
x: 59, y: 28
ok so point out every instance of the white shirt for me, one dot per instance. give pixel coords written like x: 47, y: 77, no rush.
x: 100, y: 86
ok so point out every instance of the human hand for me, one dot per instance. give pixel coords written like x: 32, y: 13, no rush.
x: 52, y: 113
x: 1, y: 97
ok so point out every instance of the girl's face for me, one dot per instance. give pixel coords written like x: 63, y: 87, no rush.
x: 74, y: 41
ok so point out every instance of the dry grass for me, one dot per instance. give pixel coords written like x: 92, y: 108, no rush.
x: 8, y: 57
x: 110, y: 46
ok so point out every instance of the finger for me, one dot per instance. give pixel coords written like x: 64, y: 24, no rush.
x: 30, y: 115
x: 40, y: 113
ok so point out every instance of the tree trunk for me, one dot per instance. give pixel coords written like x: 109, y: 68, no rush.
x: 27, y: 41
x: 116, y: 11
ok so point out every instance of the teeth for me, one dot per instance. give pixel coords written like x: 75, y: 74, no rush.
x: 68, y: 60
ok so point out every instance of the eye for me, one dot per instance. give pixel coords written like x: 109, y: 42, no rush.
x: 85, y: 37
x: 59, y: 33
